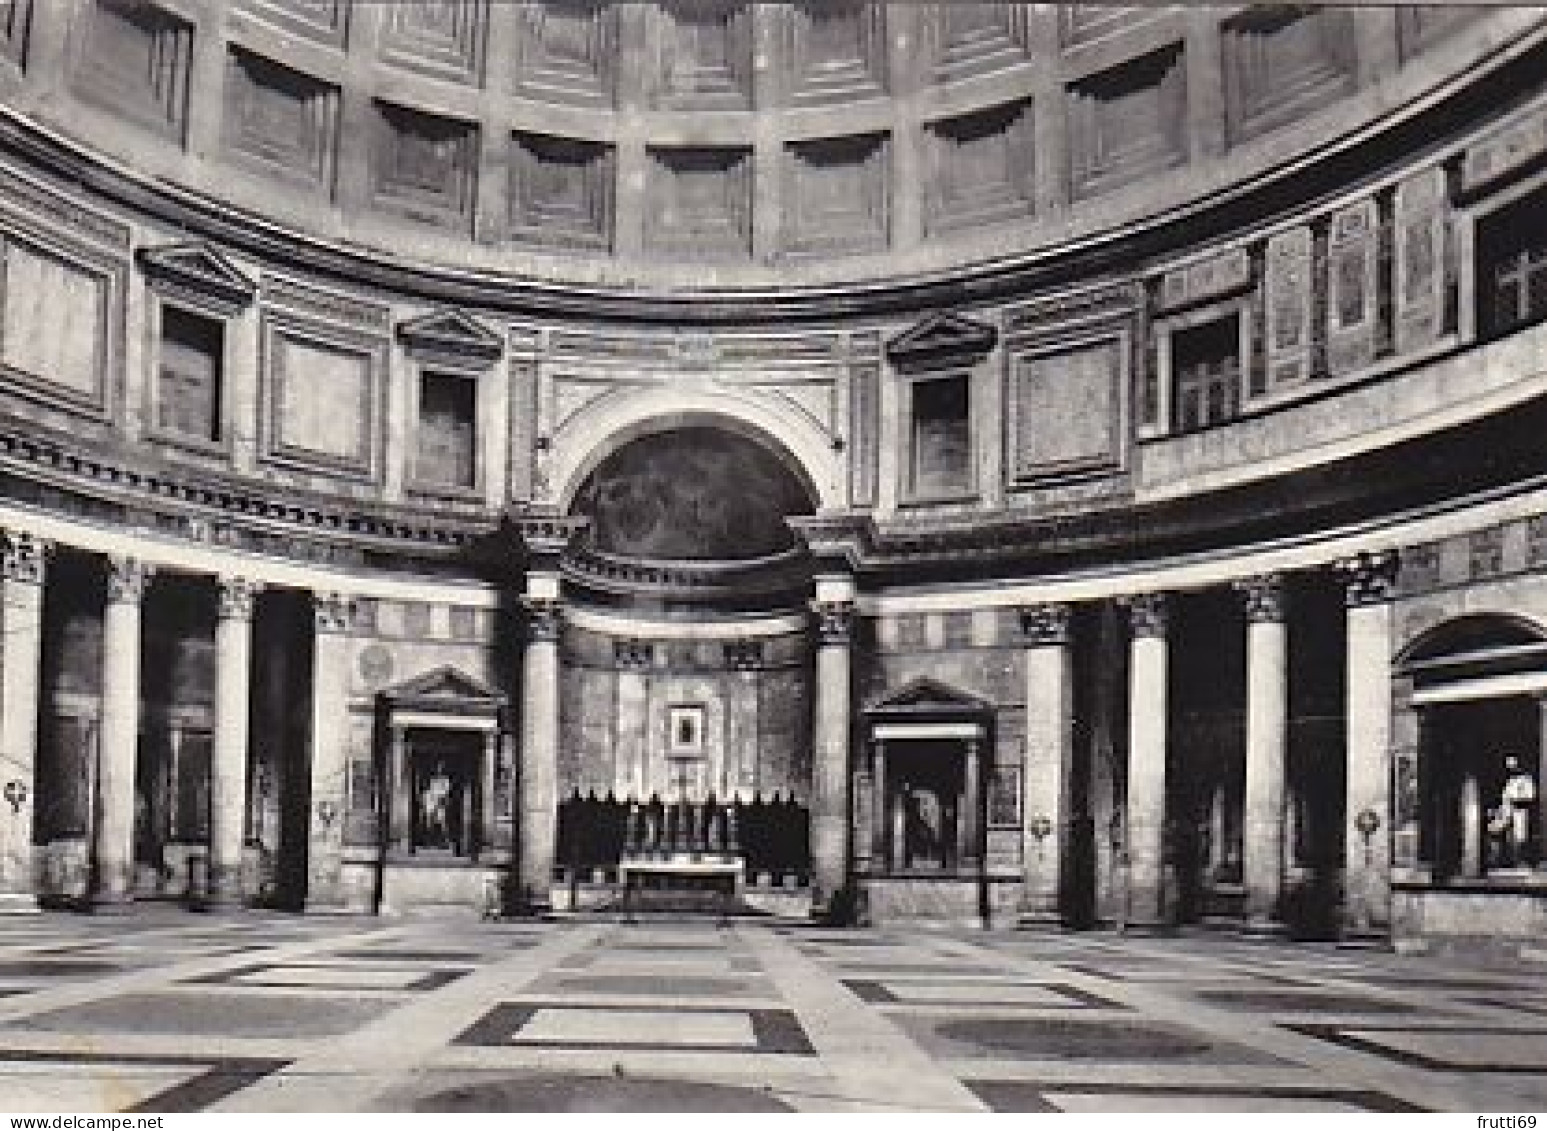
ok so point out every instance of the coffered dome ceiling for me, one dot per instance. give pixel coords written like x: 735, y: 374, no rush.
x: 707, y: 144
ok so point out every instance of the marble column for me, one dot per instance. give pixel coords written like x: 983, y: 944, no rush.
x: 1368, y: 580
x: 834, y: 609
x: 539, y: 775
x: 22, y: 567
x: 120, y: 733
x: 1147, y: 719
x: 228, y: 767
x: 879, y: 863
x: 1045, y: 816
x: 333, y: 616
x: 1267, y: 736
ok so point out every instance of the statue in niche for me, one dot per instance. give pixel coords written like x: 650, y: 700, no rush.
x: 435, y: 801
x: 1510, y: 824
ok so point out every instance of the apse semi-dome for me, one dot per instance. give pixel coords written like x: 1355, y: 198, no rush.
x: 708, y: 144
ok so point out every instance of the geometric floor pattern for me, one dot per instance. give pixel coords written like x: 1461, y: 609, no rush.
x: 164, y: 1011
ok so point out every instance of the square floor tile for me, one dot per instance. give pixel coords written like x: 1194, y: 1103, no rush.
x: 679, y: 1029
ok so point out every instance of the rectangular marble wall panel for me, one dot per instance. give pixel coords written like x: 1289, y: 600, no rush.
x: 1287, y: 303
x: 784, y: 734
x: 1353, y: 249
x: 315, y: 384
x: 1064, y: 409
x: 1420, y: 226
x: 55, y: 324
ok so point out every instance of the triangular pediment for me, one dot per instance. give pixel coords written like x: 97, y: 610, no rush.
x: 443, y: 685
x: 450, y: 335
x: 926, y: 696
x: 942, y: 339
x: 199, y: 272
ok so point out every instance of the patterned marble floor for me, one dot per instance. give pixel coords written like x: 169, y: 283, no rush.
x: 163, y: 1011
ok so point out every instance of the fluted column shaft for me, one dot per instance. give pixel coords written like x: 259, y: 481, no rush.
x: 1368, y: 582
x: 22, y: 568
x: 118, y: 746
x: 1147, y: 691
x: 1267, y: 733
x: 228, y: 768
x: 539, y: 783
x: 830, y: 749
x: 1045, y: 816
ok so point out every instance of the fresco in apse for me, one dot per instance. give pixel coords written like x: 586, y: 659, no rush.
x: 697, y: 494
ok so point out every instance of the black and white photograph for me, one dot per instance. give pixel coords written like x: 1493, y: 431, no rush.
x: 819, y: 556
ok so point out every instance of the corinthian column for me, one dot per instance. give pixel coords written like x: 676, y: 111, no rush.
x: 120, y: 732
x: 1147, y: 707
x: 539, y: 784
x: 228, y: 767
x: 333, y: 615
x: 834, y: 615
x: 22, y: 567
x: 1368, y: 580
x: 1267, y: 733
x: 1045, y: 816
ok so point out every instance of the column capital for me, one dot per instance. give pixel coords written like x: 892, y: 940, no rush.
x: 126, y: 578
x: 235, y: 597
x: 1368, y: 577
x: 1046, y: 624
x: 333, y: 612
x: 834, y: 621
x: 744, y: 655
x: 633, y: 655
x: 1263, y: 596
x: 23, y: 557
x: 1149, y: 614
x: 544, y: 618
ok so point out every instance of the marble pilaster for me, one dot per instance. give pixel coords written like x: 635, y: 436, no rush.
x: 22, y: 570
x: 1045, y: 815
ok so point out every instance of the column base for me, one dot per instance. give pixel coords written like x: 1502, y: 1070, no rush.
x: 1364, y: 938
x: 19, y: 903
x: 1262, y: 927
x: 1039, y: 919
x: 1150, y: 928
x: 103, y: 904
